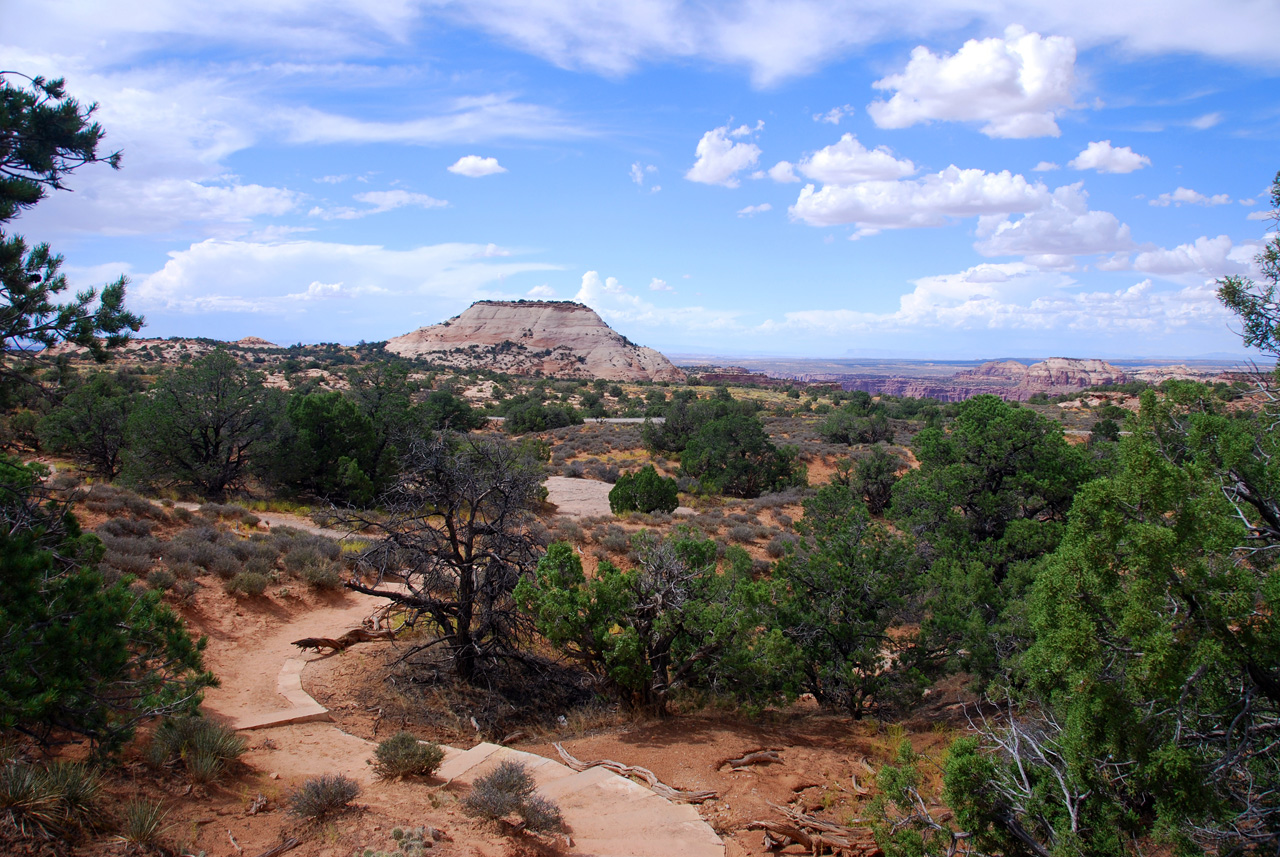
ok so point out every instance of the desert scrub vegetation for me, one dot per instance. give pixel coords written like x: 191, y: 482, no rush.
x: 508, y: 790
x: 48, y: 800
x: 203, y: 748
x: 320, y: 797
x: 403, y: 755
x: 143, y: 823
x: 249, y: 583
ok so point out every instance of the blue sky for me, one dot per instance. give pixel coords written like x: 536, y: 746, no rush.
x: 936, y: 179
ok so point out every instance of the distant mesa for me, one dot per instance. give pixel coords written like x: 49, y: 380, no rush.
x: 254, y: 342
x: 1056, y: 372
x: 557, y: 338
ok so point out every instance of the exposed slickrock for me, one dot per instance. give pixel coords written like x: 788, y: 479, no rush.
x: 557, y: 338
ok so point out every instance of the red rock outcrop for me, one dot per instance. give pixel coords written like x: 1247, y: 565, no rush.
x: 556, y: 338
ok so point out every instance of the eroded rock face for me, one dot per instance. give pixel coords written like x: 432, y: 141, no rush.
x: 557, y: 338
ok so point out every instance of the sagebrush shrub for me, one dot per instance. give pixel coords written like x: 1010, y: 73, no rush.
x: 161, y: 579
x: 324, y: 575
x: 404, y: 755
x: 321, y: 796
x: 124, y: 527
x: 128, y: 563
x: 248, y: 583
x: 509, y: 790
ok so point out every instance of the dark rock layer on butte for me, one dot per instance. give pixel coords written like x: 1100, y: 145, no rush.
x: 557, y: 338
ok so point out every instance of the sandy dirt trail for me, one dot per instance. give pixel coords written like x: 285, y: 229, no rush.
x: 249, y: 667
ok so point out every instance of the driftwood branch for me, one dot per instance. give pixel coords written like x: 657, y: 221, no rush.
x: 754, y: 757
x: 355, y: 635
x: 649, y: 777
x: 817, y: 835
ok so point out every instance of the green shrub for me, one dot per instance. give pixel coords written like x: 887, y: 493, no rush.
x: 321, y: 796
x: 248, y: 583
x: 404, y: 755
x: 509, y: 790
x: 203, y: 746
x: 644, y: 491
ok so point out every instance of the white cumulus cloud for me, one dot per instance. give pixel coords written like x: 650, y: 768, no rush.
x: 1105, y: 158
x: 1049, y: 236
x: 849, y: 162
x: 1045, y: 167
x: 1205, y: 257
x: 1187, y: 196
x: 474, y: 166
x: 783, y: 172
x: 657, y: 285
x: 542, y: 291
x: 639, y: 172
x: 927, y: 201
x: 1015, y: 85
x: 720, y: 159
x: 616, y: 305
x: 751, y: 210
x: 834, y: 115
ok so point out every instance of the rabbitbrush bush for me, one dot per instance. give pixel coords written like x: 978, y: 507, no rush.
x: 404, y: 755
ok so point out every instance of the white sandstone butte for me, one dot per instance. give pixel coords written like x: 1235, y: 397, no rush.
x: 557, y: 338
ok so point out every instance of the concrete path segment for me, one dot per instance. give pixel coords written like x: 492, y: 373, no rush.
x: 608, y: 815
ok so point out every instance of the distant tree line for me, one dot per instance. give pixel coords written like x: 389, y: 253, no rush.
x: 212, y: 424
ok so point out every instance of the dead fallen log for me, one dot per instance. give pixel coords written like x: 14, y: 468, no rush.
x: 649, y: 777
x: 355, y: 635
x: 816, y: 834
x: 755, y: 757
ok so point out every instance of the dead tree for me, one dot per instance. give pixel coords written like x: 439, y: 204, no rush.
x: 457, y: 540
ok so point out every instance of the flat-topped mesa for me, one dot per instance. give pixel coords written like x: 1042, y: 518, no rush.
x: 557, y: 338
